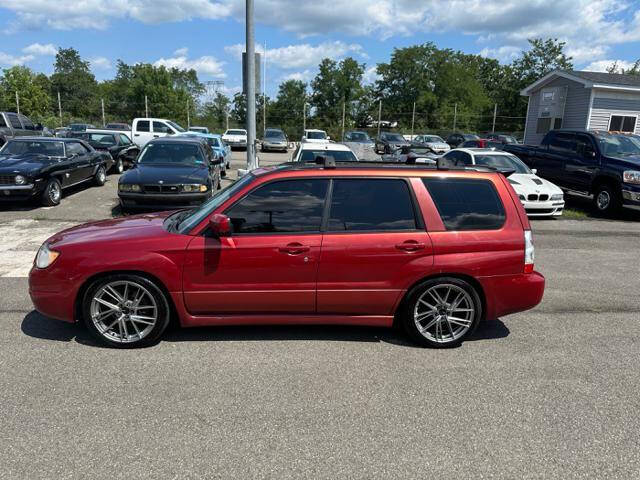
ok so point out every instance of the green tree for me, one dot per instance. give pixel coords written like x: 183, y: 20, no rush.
x: 286, y: 111
x: 32, y: 90
x: 216, y: 110
x: 543, y: 57
x: 78, y: 88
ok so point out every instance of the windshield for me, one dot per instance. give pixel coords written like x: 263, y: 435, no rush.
x: 316, y: 135
x: 169, y: 153
x: 394, y: 137
x: 359, y: 137
x: 337, y: 155
x: 236, y: 132
x: 102, y: 139
x: 176, y: 126
x: 274, y: 134
x: 433, y: 139
x: 619, y: 145
x: 31, y: 147
x: 502, y: 162
x: 199, y: 214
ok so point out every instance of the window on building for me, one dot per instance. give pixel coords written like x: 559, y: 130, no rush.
x: 623, y: 123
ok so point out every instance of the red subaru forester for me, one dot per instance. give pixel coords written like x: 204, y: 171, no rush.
x: 437, y: 250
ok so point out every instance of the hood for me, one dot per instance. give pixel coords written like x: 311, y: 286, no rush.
x: 128, y: 228
x: 526, y: 183
x: 25, y: 164
x: 624, y: 161
x: 168, y: 174
x: 441, y: 145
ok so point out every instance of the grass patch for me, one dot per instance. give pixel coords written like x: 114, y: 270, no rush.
x: 573, y: 214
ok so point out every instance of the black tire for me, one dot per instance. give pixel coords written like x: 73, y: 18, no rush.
x: 223, y: 172
x: 100, y: 177
x: 153, y: 334
x: 451, y: 334
x: 606, y: 200
x: 52, y: 193
x: 118, y: 166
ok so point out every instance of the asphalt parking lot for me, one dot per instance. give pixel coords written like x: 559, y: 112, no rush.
x: 549, y: 393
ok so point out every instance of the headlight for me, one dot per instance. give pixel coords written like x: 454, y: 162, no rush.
x: 20, y: 180
x: 557, y: 196
x: 128, y: 187
x: 45, y: 256
x: 631, y: 176
x: 197, y: 187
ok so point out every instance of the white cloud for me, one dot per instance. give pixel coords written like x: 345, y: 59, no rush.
x: 370, y: 75
x: 181, y: 52
x: 504, y: 54
x: 602, y: 65
x: 302, y: 55
x: 101, y: 63
x: 205, y: 65
x: 39, y: 49
x: 304, y: 76
x: 7, y: 60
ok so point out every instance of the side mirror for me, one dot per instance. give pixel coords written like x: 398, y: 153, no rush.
x: 220, y: 225
x: 534, y: 171
x: 328, y: 137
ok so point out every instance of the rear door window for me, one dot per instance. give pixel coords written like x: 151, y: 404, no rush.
x: 466, y: 204
x: 143, y: 126
x: 563, y: 143
x: 371, y: 205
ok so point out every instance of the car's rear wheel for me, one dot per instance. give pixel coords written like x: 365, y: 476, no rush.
x: 442, y: 312
x: 119, y: 166
x: 606, y: 200
x: 52, y: 193
x: 125, y: 311
x: 100, y: 177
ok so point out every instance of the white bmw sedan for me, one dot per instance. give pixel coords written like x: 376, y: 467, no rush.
x: 540, y: 197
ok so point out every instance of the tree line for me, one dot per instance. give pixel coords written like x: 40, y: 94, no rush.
x: 440, y: 85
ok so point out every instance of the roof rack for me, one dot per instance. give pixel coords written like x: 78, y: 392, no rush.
x: 442, y: 164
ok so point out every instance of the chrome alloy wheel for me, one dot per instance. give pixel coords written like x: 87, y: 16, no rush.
x: 603, y: 200
x: 102, y: 175
x: 444, y: 313
x: 54, y: 192
x: 124, y: 311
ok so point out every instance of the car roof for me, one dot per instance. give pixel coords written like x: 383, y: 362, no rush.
x: 196, y: 135
x: 46, y: 139
x: 179, y: 139
x: 475, y: 151
x: 337, y: 147
x: 106, y: 131
x: 314, y: 130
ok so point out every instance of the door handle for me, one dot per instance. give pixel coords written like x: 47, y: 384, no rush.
x: 136, y: 134
x: 294, y: 249
x: 156, y: 136
x: 410, y: 246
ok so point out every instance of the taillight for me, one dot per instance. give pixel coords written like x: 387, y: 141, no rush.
x: 529, y: 252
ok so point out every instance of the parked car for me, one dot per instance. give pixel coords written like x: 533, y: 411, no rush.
x: 171, y: 172
x: 502, y: 138
x: 309, y: 152
x: 369, y: 246
x: 61, y: 132
x: 456, y: 139
x: 123, y: 151
x: 235, y: 138
x: 274, y: 139
x: 39, y: 168
x: 412, y: 154
x: 387, y: 142
x: 540, y: 197
x: 433, y: 142
x: 361, y: 144
x: 220, y: 150
x: 13, y: 125
x: 604, y: 165
x: 313, y: 135
x: 199, y: 129
x: 482, y: 143
x: 146, y: 129
x: 80, y: 127
x: 118, y: 126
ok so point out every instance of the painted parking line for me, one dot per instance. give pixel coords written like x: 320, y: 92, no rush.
x: 19, y: 242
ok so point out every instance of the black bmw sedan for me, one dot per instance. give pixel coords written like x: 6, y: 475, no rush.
x: 170, y: 173
x: 39, y: 168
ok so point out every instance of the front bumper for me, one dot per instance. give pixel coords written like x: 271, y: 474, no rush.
x: 52, y: 293
x: 236, y: 143
x: 551, y: 208
x: 631, y: 194
x: 161, y: 201
x: 16, y: 193
x: 274, y: 146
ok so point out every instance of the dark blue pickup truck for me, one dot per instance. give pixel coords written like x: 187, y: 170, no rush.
x: 605, y: 165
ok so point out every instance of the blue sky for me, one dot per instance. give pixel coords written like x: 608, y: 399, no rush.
x: 208, y: 35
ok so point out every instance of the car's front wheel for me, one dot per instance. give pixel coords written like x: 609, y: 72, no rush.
x: 442, y: 312
x: 606, y: 200
x: 100, y: 177
x: 118, y: 167
x: 125, y: 310
x: 52, y: 193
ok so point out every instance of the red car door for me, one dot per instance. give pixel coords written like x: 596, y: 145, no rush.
x: 269, y: 264
x: 374, y: 245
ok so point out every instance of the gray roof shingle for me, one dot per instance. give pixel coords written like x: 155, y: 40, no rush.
x: 607, y: 78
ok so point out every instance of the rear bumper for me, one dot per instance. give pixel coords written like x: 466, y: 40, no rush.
x: 507, y: 294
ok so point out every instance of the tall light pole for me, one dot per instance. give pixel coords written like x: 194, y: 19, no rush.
x: 251, y: 87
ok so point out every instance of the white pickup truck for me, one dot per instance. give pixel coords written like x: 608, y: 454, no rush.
x: 145, y: 129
